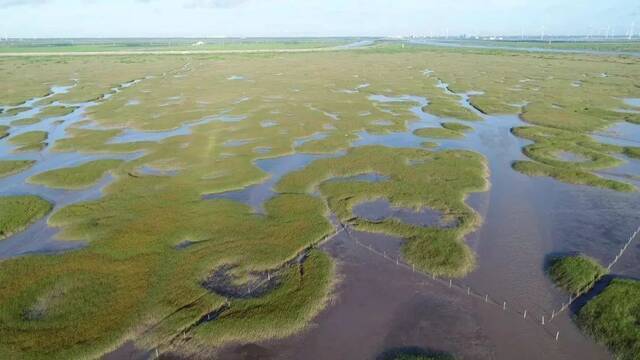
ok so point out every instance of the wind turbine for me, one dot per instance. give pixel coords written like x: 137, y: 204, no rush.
x: 542, y: 33
x: 633, y: 25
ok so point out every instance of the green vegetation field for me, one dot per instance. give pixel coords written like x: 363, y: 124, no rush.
x: 17, y: 212
x: 150, y: 45
x: 76, y: 177
x: 612, y: 318
x: 137, y: 280
x: 576, y: 274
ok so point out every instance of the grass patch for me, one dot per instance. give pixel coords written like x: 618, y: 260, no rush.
x: 632, y: 152
x: 438, y: 133
x: 56, y: 111
x: 590, y: 156
x: 546, y: 153
x: 26, y: 121
x: 10, y: 167
x: 454, y: 126
x: 576, y: 274
x: 15, y: 111
x: 78, y: 177
x: 29, y: 141
x: 569, y: 175
x: 613, y: 318
x: 413, y: 174
x: 17, y: 212
x: 302, y: 293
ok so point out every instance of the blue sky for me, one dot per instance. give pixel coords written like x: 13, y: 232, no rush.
x: 212, y: 18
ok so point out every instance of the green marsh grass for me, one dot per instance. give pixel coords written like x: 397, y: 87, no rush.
x: 438, y: 133
x: 17, y: 212
x: 14, y: 111
x: 10, y: 167
x: 26, y: 121
x: 78, y: 177
x: 453, y: 126
x: 56, y: 111
x: 612, y: 318
x: 413, y: 173
x: 29, y: 141
x: 303, y: 292
x: 572, y: 176
x: 549, y: 142
x: 576, y: 274
x: 633, y: 152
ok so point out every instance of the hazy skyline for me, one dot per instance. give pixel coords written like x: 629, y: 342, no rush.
x: 216, y: 18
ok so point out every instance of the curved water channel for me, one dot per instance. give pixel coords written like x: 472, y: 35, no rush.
x: 380, y: 306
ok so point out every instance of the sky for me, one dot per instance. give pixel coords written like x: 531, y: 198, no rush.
x: 278, y: 18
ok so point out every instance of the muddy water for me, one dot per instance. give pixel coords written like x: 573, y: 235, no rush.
x: 378, y: 210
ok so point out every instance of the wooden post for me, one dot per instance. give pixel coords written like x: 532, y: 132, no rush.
x: 450, y: 283
x: 468, y: 291
x: 157, y: 353
x: 525, y: 313
x: 553, y: 314
x: 413, y: 267
x: 486, y: 298
x: 542, y: 319
x: 504, y: 305
x: 557, y: 335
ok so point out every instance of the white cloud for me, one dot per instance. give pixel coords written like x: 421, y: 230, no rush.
x: 10, y: 3
x: 219, y: 4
